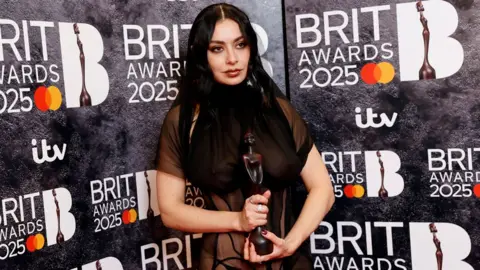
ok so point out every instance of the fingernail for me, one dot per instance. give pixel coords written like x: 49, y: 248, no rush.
x: 264, y: 232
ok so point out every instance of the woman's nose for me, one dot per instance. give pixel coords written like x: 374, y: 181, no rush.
x: 231, y: 57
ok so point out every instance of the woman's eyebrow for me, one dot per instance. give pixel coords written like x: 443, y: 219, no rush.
x: 223, y: 42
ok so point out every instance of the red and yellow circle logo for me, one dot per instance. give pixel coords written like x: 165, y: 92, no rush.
x: 35, y: 242
x: 373, y: 73
x: 47, y: 98
x: 476, y: 190
x: 352, y: 191
x: 129, y: 216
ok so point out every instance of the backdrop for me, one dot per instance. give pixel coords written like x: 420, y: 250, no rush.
x: 78, y: 182
x: 75, y: 180
x: 396, y: 119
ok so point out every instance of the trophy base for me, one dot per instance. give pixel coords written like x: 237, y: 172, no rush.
x: 262, y: 245
x: 264, y: 249
x: 427, y: 73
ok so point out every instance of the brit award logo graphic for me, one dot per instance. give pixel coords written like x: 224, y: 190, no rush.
x: 426, y: 48
x: 86, y: 80
x: 85, y: 99
x: 439, y: 246
x: 454, y: 173
x: 355, y: 174
x: 23, y: 71
x: 372, y: 245
x: 426, y: 71
x: 24, y: 228
x: 147, y: 196
x: 334, y: 53
x: 113, y: 202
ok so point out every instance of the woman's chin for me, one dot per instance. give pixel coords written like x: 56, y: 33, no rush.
x: 232, y: 80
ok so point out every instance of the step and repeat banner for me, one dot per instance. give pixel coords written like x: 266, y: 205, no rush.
x: 84, y: 88
x: 390, y: 91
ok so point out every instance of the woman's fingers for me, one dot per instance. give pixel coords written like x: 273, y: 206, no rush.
x: 246, y: 251
x: 258, y: 199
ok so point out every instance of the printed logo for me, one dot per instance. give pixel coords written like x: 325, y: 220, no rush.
x: 24, y: 228
x: 109, y: 263
x: 113, y: 202
x: 20, y: 67
x: 173, y: 249
x: 262, y: 41
x: 194, y: 196
x: 453, y: 173
x: 47, y: 98
x: 439, y: 246
x: 332, y: 46
x: 147, y: 195
x: 379, y: 178
x: 352, y: 245
x: 80, y: 62
x: 151, y: 80
x: 86, y: 80
x: 371, y: 119
x: 57, y: 153
x: 426, y: 50
x: 372, y: 73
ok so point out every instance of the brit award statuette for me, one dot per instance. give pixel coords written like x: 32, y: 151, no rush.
x: 438, y: 252
x: 85, y: 99
x: 253, y: 164
x: 150, y: 214
x: 382, y: 192
x: 60, y: 237
x: 426, y: 71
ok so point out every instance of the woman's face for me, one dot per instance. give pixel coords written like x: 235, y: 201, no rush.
x: 228, y: 53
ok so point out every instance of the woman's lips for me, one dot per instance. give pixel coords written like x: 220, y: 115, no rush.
x: 233, y: 73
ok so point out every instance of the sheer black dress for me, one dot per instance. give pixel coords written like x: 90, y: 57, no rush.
x: 213, y: 162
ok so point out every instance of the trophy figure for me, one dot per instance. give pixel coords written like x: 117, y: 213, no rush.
x: 150, y: 214
x: 98, y: 265
x: 382, y: 192
x: 426, y: 71
x: 253, y: 164
x: 85, y: 99
x: 60, y: 238
x: 438, y: 253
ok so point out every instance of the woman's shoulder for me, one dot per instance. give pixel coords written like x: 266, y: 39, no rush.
x: 172, y: 117
x: 288, y: 110
x: 284, y: 104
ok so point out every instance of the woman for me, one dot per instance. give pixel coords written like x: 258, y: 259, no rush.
x: 224, y: 94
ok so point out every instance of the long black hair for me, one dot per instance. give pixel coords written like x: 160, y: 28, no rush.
x: 198, y: 82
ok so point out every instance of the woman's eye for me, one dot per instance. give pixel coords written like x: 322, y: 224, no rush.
x: 216, y: 49
x: 242, y: 45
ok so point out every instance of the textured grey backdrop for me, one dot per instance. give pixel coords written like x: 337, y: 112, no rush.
x: 441, y: 113
x: 111, y: 139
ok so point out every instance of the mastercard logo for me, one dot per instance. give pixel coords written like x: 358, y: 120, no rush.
x: 129, y: 216
x: 354, y: 191
x: 476, y: 190
x: 373, y: 73
x: 47, y: 98
x: 35, y: 242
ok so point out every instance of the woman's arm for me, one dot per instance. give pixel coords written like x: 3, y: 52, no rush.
x: 177, y: 215
x: 319, y: 200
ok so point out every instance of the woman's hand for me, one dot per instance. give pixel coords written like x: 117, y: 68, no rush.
x: 281, y: 249
x: 254, y: 212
